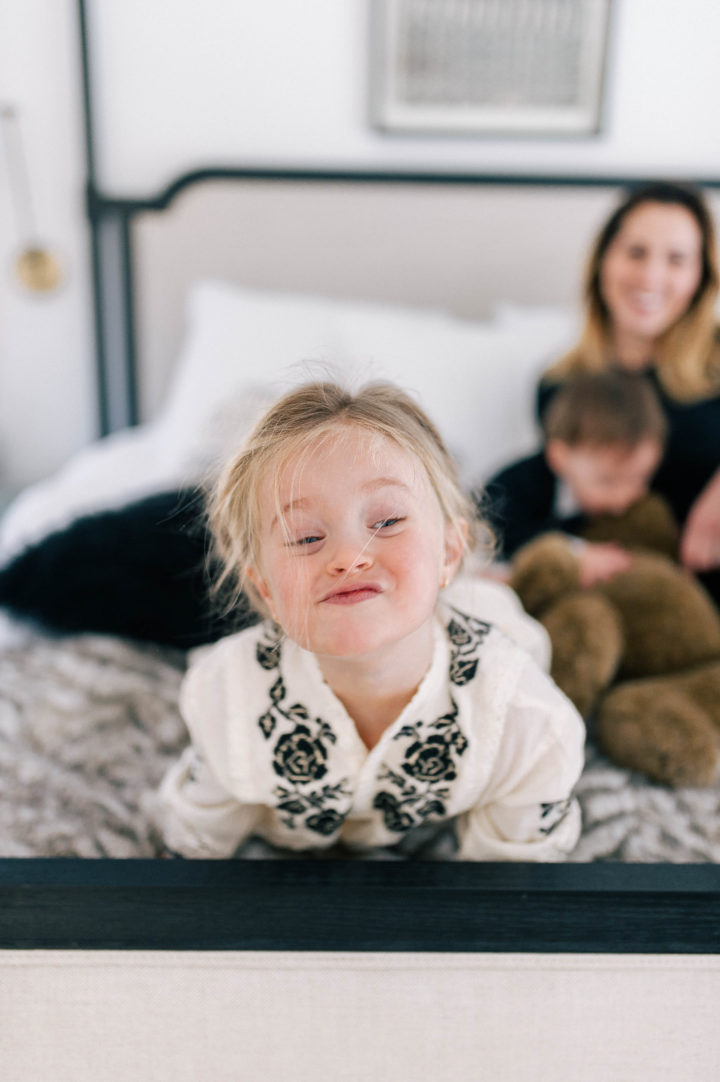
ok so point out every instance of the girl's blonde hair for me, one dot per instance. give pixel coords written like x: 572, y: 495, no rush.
x: 293, y: 427
x: 687, y: 358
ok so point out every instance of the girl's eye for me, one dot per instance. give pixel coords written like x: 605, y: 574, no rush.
x: 385, y: 523
x: 311, y: 539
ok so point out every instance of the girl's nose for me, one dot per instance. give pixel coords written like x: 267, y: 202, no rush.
x: 349, y: 556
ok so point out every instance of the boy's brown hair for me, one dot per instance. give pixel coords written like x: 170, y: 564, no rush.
x: 605, y: 409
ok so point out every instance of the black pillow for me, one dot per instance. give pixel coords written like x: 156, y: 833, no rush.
x: 140, y: 571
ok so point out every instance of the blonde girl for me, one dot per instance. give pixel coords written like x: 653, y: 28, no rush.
x: 376, y: 702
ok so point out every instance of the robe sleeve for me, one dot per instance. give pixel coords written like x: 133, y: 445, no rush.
x: 197, y: 813
x: 528, y: 811
x: 198, y: 817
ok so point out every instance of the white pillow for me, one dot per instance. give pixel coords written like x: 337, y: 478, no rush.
x: 238, y: 339
x: 546, y: 319
x: 475, y: 379
x: 245, y: 347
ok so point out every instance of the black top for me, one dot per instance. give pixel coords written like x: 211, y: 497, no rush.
x: 520, y: 499
x: 520, y: 504
x: 692, y: 454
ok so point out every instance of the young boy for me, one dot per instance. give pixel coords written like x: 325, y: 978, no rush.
x: 604, y: 436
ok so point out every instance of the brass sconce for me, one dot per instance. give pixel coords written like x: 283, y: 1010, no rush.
x: 36, y: 267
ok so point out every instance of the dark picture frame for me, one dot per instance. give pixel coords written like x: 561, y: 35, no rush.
x: 321, y: 904
x: 335, y: 905
x: 479, y: 68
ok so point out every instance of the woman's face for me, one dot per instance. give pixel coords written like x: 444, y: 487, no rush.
x: 650, y: 273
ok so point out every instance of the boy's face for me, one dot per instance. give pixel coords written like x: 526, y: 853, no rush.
x: 605, y: 479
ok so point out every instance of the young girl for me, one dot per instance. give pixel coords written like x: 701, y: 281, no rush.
x: 367, y: 704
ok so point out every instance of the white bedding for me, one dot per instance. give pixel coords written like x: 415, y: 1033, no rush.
x: 243, y: 348
x: 109, y: 707
x: 90, y: 723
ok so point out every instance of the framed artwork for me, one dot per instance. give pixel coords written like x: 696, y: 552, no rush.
x: 489, y: 67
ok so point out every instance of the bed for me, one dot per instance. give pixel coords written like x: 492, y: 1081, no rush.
x: 90, y: 721
x: 126, y: 964
x: 115, y: 963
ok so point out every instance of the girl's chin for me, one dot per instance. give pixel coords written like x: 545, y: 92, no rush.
x: 348, y: 643
x: 349, y: 649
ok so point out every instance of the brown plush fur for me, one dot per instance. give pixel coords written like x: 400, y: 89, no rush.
x: 653, y: 631
x: 666, y: 726
x: 648, y: 524
x: 588, y: 641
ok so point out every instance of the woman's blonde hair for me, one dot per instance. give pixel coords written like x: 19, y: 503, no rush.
x: 294, y: 426
x: 687, y: 357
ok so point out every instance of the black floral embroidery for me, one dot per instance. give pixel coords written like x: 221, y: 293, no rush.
x: 395, y: 819
x: 553, y: 814
x: 291, y: 806
x: 415, y: 794
x: 325, y: 822
x: 465, y: 634
x: 300, y: 753
x: 298, y: 757
x: 268, y: 647
x: 430, y: 761
x: 267, y: 724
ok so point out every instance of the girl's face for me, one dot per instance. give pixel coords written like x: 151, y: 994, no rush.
x: 650, y: 272
x: 353, y: 563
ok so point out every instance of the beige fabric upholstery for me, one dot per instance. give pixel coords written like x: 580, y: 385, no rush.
x: 184, y: 1016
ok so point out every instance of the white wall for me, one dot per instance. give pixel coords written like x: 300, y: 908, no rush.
x: 46, y: 376
x: 285, y: 81
x: 184, y: 82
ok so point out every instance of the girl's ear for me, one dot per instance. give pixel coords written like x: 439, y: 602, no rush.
x: 260, y: 585
x: 262, y: 588
x: 456, y: 535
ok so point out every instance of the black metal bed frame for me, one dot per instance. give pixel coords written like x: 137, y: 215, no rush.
x: 316, y: 904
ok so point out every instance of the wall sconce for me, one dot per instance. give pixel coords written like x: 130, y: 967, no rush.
x: 36, y: 267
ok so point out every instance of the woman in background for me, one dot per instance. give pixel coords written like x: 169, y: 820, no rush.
x: 650, y: 293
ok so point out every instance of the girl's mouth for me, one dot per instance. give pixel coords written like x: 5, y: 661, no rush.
x: 351, y: 595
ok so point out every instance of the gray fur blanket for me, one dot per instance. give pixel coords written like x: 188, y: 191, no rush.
x: 88, y: 725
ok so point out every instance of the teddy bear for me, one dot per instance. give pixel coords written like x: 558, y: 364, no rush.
x: 639, y: 654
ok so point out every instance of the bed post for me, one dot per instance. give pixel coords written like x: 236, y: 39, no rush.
x: 111, y: 265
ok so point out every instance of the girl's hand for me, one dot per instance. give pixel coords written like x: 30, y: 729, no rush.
x: 700, y: 541
x: 600, y: 562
